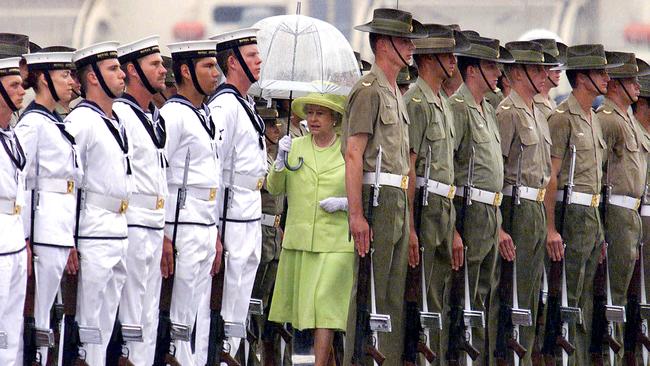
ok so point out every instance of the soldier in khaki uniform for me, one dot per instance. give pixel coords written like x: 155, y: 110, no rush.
x: 543, y: 100
x: 432, y: 128
x: 406, y: 77
x: 574, y: 123
x: 376, y: 116
x: 524, y: 136
x: 626, y: 173
x: 476, y: 128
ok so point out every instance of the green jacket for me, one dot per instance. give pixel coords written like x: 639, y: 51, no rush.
x: 309, y: 227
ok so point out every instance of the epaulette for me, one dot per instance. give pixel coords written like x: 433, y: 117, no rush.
x: 505, y: 107
x: 416, y: 100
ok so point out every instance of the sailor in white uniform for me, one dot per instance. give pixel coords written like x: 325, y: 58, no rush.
x: 145, y: 76
x: 104, y: 148
x: 243, y: 160
x: 190, y: 128
x: 47, y: 144
x: 13, y: 256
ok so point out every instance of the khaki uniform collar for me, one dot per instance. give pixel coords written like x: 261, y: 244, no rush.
x: 381, y: 77
x: 428, y: 93
x: 608, y: 103
x: 518, y: 102
x: 538, y: 98
x: 575, y: 108
x: 466, y: 94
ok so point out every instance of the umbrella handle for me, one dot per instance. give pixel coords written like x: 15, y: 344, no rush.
x: 292, y: 168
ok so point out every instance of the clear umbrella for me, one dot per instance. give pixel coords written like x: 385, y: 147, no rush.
x: 303, y: 55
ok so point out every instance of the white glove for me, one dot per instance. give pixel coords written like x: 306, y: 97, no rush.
x: 333, y: 204
x: 284, y: 146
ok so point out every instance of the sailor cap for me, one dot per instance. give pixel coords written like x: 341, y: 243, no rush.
x: 95, y: 53
x: 9, y: 66
x: 138, y: 49
x: 193, y: 49
x: 49, y: 60
x: 236, y: 38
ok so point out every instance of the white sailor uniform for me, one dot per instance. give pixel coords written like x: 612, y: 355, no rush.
x: 190, y: 128
x: 103, y: 146
x: 146, y: 221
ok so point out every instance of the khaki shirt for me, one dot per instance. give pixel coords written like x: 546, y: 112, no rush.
x: 431, y: 126
x: 297, y: 131
x: 494, y: 98
x: 374, y: 109
x: 646, y: 138
x: 570, y: 126
x: 271, y: 204
x: 545, y: 105
x: 480, y: 131
x: 627, y: 150
x: 519, y: 126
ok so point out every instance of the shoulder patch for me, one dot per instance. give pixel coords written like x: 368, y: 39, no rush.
x: 416, y: 100
x: 558, y: 110
x: 505, y: 107
x: 459, y: 100
x: 606, y: 111
x: 365, y: 83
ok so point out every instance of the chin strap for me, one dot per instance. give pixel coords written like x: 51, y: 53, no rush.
x: 101, y: 80
x: 8, y: 101
x: 195, y: 80
x: 50, y: 85
x: 397, y: 52
x: 442, y: 66
x: 625, y: 90
x: 531, y: 80
x: 596, y: 86
x: 143, y: 77
x: 244, y: 66
x: 552, y: 82
x: 480, y: 68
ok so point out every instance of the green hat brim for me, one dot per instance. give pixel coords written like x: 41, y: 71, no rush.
x: 418, y: 30
x: 505, y: 57
x: 549, y: 60
x: 323, y: 100
x: 585, y: 67
x: 643, y: 70
x: 462, y: 44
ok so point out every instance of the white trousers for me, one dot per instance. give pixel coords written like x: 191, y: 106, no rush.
x: 101, y: 278
x: 141, y: 292
x: 195, y: 246
x: 243, y: 243
x: 13, y: 282
x: 49, y: 269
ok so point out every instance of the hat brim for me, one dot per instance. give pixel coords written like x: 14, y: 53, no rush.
x: 298, y: 105
x: 549, y: 60
x: 584, y: 67
x: 644, y: 70
x: 418, y: 30
x: 505, y: 57
x: 461, y: 44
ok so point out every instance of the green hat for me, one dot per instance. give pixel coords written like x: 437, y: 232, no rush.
x: 530, y: 53
x: 33, y: 47
x: 167, y: 64
x: 13, y: 45
x: 587, y: 57
x: 487, y: 49
x: 454, y: 27
x: 393, y: 22
x: 332, y: 101
x: 407, y: 75
x: 632, y: 66
x: 363, y: 64
x: 440, y: 39
x: 644, y: 81
x: 470, y: 33
x: 553, y: 48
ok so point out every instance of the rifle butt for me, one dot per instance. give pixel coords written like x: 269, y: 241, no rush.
x: 517, y: 348
x: 375, y: 354
x: 228, y: 359
x: 613, y: 343
x: 564, y: 343
x: 426, y: 352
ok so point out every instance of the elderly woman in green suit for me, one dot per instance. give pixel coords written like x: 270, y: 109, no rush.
x: 314, y: 278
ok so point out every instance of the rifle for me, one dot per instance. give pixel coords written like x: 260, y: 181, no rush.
x: 605, y: 313
x: 117, y: 354
x: 537, y: 357
x: 168, y: 331
x: 511, y: 317
x: 56, y: 316
x: 559, y: 314
x: 368, y: 323
x: 416, y: 336
x: 75, y: 335
x: 461, y: 317
x: 220, y: 329
x: 638, y: 311
x: 33, y: 337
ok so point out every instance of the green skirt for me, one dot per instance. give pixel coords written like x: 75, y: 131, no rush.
x: 312, y: 289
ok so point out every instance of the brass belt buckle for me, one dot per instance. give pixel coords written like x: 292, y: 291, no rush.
x: 70, y: 186
x: 541, y: 193
x: 497, y: 199
x: 276, y: 223
x: 160, y: 203
x: 124, y: 205
x: 213, y: 194
x: 17, y: 209
x: 405, y: 182
x: 637, y: 204
x: 452, y: 192
x: 595, y: 200
x: 260, y: 183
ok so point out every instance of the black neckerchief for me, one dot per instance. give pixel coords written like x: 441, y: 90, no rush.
x: 255, y: 119
x: 121, y: 138
x: 19, y: 159
x: 53, y: 116
x: 206, y: 122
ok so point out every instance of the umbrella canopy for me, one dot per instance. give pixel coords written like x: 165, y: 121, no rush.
x: 303, y: 55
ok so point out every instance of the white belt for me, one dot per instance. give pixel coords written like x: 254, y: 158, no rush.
x: 435, y: 187
x: 271, y: 220
x: 108, y: 203
x: 387, y: 179
x: 625, y: 201
x: 65, y: 186
x: 203, y: 194
x: 579, y: 198
x: 147, y: 201
x: 527, y: 193
x: 245, y: 181
x: 479, y: 195
x: 645, y: 210
x: 9, y: 207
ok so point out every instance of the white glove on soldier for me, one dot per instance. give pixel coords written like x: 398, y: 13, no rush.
x: 284, y: 147
x: 333, y: 204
